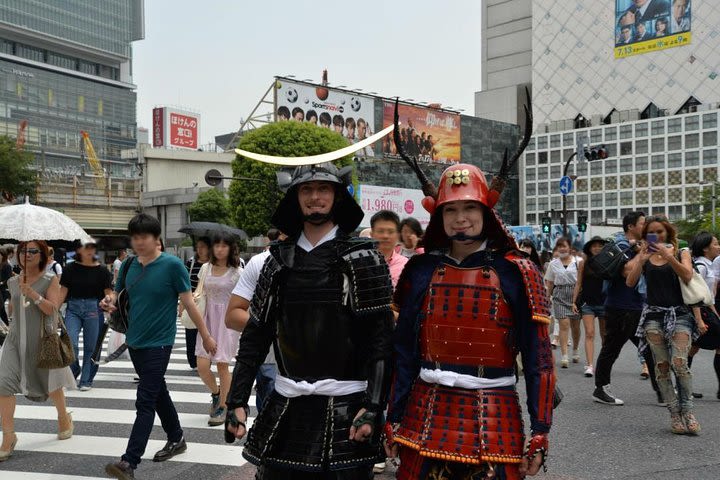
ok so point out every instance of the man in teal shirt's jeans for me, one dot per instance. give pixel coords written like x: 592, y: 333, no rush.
x: 154, y: 281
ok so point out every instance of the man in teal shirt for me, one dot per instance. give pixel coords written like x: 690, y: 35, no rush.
x: 154, y: 281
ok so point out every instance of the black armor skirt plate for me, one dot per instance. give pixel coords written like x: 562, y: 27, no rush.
x: 310, y: 433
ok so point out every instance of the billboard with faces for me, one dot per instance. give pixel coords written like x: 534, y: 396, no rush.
x: 349, y: 114
x: 644, y: 26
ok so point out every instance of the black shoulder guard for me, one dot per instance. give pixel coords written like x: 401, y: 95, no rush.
x: 265, y: 291
x: 370, y: 285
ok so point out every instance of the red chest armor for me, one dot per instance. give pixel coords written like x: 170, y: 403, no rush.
x: 466, y: 319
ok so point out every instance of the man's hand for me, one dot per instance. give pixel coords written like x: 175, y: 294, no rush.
x: 209, y: 345
x: 526, y: 468
x: 363, y: 432
x: 108, y: 303
x: 241, y: 429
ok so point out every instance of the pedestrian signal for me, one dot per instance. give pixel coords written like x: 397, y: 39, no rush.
x: 546, y: 224
x: 582, y: 223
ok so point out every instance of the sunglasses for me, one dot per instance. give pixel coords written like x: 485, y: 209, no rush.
x: 29, y: 251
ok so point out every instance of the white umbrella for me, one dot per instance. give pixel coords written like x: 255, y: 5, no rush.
x: 26, y: 222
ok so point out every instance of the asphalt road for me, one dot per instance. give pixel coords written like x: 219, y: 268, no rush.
x: 589, y: 441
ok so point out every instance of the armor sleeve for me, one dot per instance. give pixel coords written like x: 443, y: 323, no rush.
x: 534, y: 344
x: 370, y: 295
x: 265, y: 290
x: 254, y: 346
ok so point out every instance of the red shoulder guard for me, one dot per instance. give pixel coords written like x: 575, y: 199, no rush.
x: 534, y: 287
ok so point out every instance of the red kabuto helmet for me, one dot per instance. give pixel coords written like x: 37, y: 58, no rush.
x: 460, y: 182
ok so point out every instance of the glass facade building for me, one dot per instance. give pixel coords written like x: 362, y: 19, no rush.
x: 66, y: 67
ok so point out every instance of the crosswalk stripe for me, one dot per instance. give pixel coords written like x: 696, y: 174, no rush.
x: 108, y: 415
x: 127, y: 364
x: 129, y: 377
x: 130, y: 394
x: 205, y: 453
x: 11, y: 475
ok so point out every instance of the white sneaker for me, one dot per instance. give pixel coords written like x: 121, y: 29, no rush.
x: 576, y: 357
x: 589, y: 371
x: 85, y: 388
x: 379, y: 467
x: 564, y: 362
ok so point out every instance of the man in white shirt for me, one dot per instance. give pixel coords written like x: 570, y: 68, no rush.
x: 122, y: 255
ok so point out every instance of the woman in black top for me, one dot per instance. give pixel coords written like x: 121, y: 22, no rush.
x: 83, y: 284
x: 202, y: 255
x: 589, y: 299
x: 5, y: 274
x: 667, y: 324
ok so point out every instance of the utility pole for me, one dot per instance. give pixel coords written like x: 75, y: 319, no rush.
x: 564, y: 197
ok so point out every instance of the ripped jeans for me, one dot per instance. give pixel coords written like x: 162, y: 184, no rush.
x: 672, y: 354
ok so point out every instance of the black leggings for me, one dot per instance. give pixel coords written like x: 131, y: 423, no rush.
x: 271, y: 473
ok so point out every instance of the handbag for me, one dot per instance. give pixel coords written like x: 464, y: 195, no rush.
x: 696, y: 292
x: 198, y: 297
x: 608, y: 264
x: 55, y: 351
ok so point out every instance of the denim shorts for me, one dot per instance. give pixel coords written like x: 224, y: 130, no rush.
x: 596, y: 310
x: 684, y: 323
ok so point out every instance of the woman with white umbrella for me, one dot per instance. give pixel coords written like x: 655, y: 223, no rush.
x: 19, y: 373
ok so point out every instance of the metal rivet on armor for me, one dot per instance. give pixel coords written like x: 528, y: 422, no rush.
x: 449, y: 174
x: 457, y: 181
x: 465, y: 180
x: 457, y: 173
x: 466, y: 172
x: 449, y: 181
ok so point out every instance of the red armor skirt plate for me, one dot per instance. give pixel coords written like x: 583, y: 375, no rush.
x: 459, y: 425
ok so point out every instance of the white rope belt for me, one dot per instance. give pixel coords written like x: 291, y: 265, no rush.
x: 453, y: 379
x: 330, y: 387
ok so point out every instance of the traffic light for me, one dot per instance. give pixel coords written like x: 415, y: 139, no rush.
x: 546, y: 224
x: 582, y: 223
x: 598, y: 152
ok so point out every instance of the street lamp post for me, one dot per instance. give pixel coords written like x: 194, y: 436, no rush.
x: 564, y: 197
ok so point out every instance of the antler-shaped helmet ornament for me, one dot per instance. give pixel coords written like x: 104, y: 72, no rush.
x: 498, y: 182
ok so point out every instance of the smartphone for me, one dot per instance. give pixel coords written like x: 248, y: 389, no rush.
x: 652, y: 239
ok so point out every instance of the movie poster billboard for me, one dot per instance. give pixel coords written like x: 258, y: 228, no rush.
x: 349, y: 114
x: 406, y: 202
x: 643, y: 26
x: 429, y: 134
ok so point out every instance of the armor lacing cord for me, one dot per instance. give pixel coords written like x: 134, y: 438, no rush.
x: 538, y: 444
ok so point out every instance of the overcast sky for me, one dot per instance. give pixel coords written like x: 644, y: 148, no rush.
x: 218, y: 57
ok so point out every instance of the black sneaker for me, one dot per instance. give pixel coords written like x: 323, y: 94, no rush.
x: 603, y: 395
x: 697, y: 395
x: 121, y: 470
x: 215, y: 403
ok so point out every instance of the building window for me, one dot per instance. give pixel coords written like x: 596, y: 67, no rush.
x: 641, y: 146
x: 611, y: 183
x: 596, y: 185
x: 611, y: 213
x: 674, y: 125
x: 692, y: 195
x: 675, y: 160
x: 692, y: 123
x: 626, y: 198
x: 529, y: 159
x: 530, y: 204
x: 554, y: 141
x: 542, y: 188
x: 692, y: 159
x: 626, y: 148
x: 531, y: 145
x: 658, y: 179
x: 641, y: 163
x: 543, y: 204
x: 530, y: 174
x: 531, y: 219
x: 641, y: 129
x: 675, y: 212
x: 596, y: 135
x: 31, y: 53
x: 692, y: 176
x: 611, y: 166
x: 581, y: 201
x: 658, y: 196
x: 626, y: 181
x: 611, y: 199
x: 658, y: 162
x: 542, y: 158
x: 555, y: 202
x: 710, y: 139
x: 596, y: 216
x: 674, y: 142
x: 555, y: 172
x: 542, y: 143
x: 581, y: 185
x: 692, y: 210
x: 658, y: 145
x: 692, y: 140
x: 596, y: 167
x: 710, y: 120
x: 7, y: 46
x: 710, y: 174
x: 710, y: 156
x: 610, y: 133
x: 675, y: 195
x: 530, y: 189
x: 642, y: 197
x: 641, y: 181
x: 596, y: 200
x: 555, y: 156
x: 568, y: 140
x: 626, y: 131
x: 542, y: 173
x: 658, y: 127
x: 626, y: 165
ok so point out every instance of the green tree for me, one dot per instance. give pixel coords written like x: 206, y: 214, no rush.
x: 690, y: 226
x: 253, y: 202
x: 16, y: 176
x: 210, y: 206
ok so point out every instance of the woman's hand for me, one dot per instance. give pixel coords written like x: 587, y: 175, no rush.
x: 666, y: 251
x: 575, y: 310
x: 209, y: 345
x: 702, y: 327
x: 28, y: 291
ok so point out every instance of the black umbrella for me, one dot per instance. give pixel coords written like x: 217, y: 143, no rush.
x: 208, y: 229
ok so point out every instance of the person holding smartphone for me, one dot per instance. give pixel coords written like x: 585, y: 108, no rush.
x: 666, y: 324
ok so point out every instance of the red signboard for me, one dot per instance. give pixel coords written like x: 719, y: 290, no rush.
x: 183, y: 131
x: 158, y: 127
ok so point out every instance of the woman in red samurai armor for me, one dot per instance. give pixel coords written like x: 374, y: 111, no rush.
x: 467, y: 307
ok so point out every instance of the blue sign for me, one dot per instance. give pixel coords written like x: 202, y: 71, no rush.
x: 351, y: 190
x: 566, y: 185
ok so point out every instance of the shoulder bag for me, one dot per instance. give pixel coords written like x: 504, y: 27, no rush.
x: 198, y: 297
x: 55, y: 351
x: 608, y: 264
x: 118, y: 320
x: 696, y: 292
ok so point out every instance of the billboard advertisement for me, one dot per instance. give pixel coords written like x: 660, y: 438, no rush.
x: 643, y: 26
x: 175, y: 128
x: 403, y: 201
x: 349, y: 114
x: 429, y: 134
